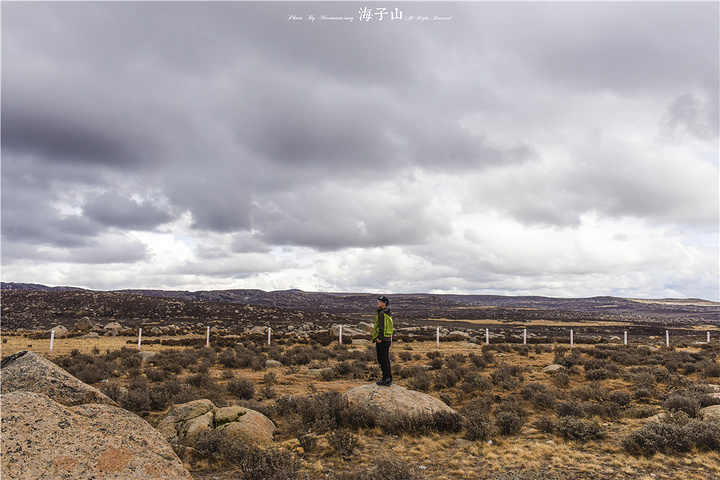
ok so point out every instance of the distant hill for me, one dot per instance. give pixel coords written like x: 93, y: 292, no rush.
x: 410, y: 308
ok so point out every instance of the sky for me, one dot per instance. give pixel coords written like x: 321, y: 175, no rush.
x: 565, y: 149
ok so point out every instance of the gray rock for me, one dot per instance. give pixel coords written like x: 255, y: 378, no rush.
x: 30, y: 372
x: 44, y: 439
x: 711, y: 413
x: 113, y: 326
x: 273, y: 364
x: 60, y: 331
x: 85, y: 324
x: 553, y: 369
x: 394, y: 400
x: 184, y: 422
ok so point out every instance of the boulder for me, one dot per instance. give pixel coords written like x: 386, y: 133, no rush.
x: 30, y: 372
x: 365, y: 327
x: 155, y: 331
x: 273, y: 364
x: 711, y: 413
x: 60, y: 331
x: 44, y: 439
x: 85, y: 324
x: 553, y: 369
x: 394, y: 400
x: 183, y: 422
x: 112, y: 326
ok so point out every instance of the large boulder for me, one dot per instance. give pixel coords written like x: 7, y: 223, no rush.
x: 30, y: 372
x: 184, y: 422
x: 44, y: 439
x: 394, y: 400
x: 711, y: 413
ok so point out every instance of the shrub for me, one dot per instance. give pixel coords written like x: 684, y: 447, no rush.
x: 268, y: 464
x: 682, y: 403
x: 422, y: 424
x: 621, y: 398
x: 509, y: 423
x: 478, y: 426
x: 476, y: 383
x: 568, y: 409
x: 421, y: 381
x: 385, y: 468
x: 241, y: 388
x: 342, y: 441
x: 572, y: 428
x: 545, y: 424
x: 561, y: 380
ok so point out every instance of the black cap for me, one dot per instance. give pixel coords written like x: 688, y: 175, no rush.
x: 384, y: 299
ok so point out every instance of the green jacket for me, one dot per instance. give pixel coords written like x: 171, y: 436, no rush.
x: 383, y: 327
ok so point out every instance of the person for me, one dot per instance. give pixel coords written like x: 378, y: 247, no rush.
x: 382, y: 337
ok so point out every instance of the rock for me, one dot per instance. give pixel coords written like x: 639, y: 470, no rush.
x: 615, y: 339
x: 458, y: 333
x: 182, y: 422
x: 321, y: 372
x: 361, y: 341
x: 30, y: 372
x: 711, y: 413
x: 257, y: 330
x: 273, y: 364
x: 60, y: 331
x: 365, y: 327
x: 394, y: 400
x: 85, y: 324
x: 553, y: 369
x: 347, y: 331
x: 155, y: 331
x: 112, y: 326
x: 91, y: 335
x: 44, y: 439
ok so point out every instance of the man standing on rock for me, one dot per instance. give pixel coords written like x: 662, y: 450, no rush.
x: 382, y: 336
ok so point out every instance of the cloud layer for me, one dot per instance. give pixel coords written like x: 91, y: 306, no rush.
x: 564, y: 149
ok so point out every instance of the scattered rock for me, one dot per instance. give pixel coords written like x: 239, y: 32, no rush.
x: 85, y: 324
x: 365, y: 327
x: 60, y: 331
x: 183, y: 422
x: 394, y: 400
x: 155, y: 331
x: 615, y: 339
x: 273, y: 364
x: 30, y: 372
x: 321, y: 372
x: 112, y: 326
x: 44, y: 439
x: 553, y: 369
x: 711, y: 413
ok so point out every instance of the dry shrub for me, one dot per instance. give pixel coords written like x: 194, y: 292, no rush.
x: 242, y: 388
x: 676, y: 434
x: 572, y: 428
x: 342, y: 441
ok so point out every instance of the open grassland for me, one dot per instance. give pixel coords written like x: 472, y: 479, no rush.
x: 515, y: 421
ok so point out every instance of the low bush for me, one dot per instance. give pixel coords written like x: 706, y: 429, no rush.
x: 478, y: 426
x: 572, y: 428
x: 241, y: 388
x: 509, y: 423
x: 342, y: 441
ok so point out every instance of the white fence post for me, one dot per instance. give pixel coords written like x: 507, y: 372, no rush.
x: 524, y: 336
x: 667, y: 338
x: 139, y: 338
x: 269, y: 334
x: 207, y: 338
x: 708, y: 337
x: 52, y: 339
x: 625, y: 337
x: 572, y: 340
x: 340, y: 336
x: 437, y: 337
x: 487, y: 336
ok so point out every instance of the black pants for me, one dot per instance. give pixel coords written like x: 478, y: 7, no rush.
x: 383, y: 357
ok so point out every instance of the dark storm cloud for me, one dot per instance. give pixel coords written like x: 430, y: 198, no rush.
x: 114, y: 210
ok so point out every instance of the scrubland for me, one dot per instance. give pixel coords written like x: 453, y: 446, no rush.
x: 589, y: 420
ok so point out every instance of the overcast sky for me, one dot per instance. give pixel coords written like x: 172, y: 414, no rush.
x: 562, y: 148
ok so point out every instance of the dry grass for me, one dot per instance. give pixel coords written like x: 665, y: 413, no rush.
x: 437, y: 455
